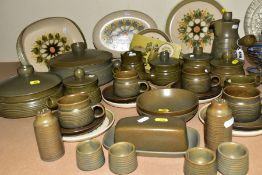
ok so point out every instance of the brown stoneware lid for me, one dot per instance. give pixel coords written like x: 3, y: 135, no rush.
x: 80, y: 56
x: 197, y: 54
x: 164, y: 60
x: 28, y: 82
x: 80, y: 79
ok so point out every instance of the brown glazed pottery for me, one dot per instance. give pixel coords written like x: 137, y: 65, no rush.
x: 244, y: 101
x: 75, y: 110
x: 132, y: 60
x: 84, y: 129
x: 164, y: 70
x: 218, y: 124
x: 25, y: 94
x: 232, y: 158
x: 242, y: 80
x: 89, y: 155
x: 153, y: 133
x: 225, y: 34
x: 197, y: 58
x: 198, y: 79
x: 93, y: 61
x: 168, y: 102
x: 48, y: 136
x: 127, y: 84
x: 83, y: 83
x: 108, y: 94
x: 200, y: 161
x: 226, y: 66
x: 247, y: 40
x: 122, y: 158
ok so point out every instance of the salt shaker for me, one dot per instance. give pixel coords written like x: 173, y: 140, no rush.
x: 218, y: 124
x: 48, y: 136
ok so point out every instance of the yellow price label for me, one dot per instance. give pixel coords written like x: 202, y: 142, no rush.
x: 34, y: 82
x: 163, y: 110
x: 224, y: 10
x: 235, y: 61
x: 161, y: 120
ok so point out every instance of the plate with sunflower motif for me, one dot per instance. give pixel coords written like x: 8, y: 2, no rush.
x: 46, y: 38
x: 188, y: 23
x: 253, y: 18
x: 115, y: 31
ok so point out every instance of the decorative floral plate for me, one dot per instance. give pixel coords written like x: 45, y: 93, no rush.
x: 188, y: 23
x: 44, y: 39
x: 114, y: 32
x: 155, y: 33
x: 253, y: 18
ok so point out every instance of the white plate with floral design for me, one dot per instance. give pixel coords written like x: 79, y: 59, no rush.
x: 115, y: 31
x: 188, y: 23
x: 253, y: 18
x: 44, y: 39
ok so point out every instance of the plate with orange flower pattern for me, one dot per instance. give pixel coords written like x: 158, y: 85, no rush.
x: 42, y: 40
x: 188, y: 23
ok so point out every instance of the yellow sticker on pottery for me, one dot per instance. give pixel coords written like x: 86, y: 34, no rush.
x: 224, y: 10
x: 34, y: 82
x: 163, y: 110
x: 234, y: 61
x: 161, y: 120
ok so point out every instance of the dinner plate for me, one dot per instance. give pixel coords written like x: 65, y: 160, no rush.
x: 188, y: 23
x: 115, y: 31
x: 192, y: 136
x: 155, y: 33
x: 253, y: 18
x: 235, y: 132
x: 44, y: 39
x: 107, y: 123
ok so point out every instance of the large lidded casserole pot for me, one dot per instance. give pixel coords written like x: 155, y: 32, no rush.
x: 93, y: 61
x: 25, y: 94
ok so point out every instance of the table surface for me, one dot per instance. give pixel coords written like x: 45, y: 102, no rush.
x: 19, y: 152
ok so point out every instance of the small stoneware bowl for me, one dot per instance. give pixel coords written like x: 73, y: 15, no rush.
x: 168, y: 102
x: 232, y: 158
x: 75, y: 110
x: 200, y: 161
x: 89, y: 155
x: 244, y: 101
x: 242, y: 80
x: 122, y: 158
x: 127, y: 84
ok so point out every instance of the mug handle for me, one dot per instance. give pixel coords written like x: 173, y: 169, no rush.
x: 143, y: 82
x: 257, y: 78
x: 215, y: 84
x: 101, y: 107
x: 51, y: 102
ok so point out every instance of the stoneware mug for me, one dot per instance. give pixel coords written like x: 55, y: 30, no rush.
x: 127, y: 84
x: 244, y: 101
x: 198, y: 79
x: 75, y: 110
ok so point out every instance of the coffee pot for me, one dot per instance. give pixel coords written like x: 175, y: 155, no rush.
x: 225, y: 34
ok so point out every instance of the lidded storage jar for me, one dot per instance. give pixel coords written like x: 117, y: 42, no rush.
x: 164, y: 70
x: 48, y: 136
x: 218, y: 124
x: 197, y: 58
x: 83, y: 83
